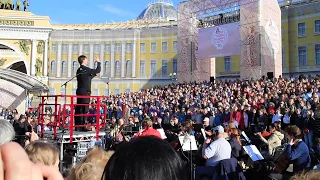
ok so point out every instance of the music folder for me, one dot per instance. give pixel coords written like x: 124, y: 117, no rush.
x: 253, y: 153
x: 185, y: 143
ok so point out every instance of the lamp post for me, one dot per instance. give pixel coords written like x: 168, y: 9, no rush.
x: 106, y: 79
x: 173, y: 77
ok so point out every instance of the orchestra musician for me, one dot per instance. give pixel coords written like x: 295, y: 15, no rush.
x: 296, y: 152
x: 148, y: 130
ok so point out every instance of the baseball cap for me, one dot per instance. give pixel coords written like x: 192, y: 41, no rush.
x: 220, y: 129
x: 206, y: 119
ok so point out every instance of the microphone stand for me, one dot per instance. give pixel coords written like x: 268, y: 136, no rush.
x: 66, y: 83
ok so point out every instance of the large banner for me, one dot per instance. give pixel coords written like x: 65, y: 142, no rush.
x: 219, y: 41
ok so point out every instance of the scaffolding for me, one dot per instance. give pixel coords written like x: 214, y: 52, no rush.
x: 256, y: 56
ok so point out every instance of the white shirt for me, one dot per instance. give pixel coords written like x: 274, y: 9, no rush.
x: 218, y: 150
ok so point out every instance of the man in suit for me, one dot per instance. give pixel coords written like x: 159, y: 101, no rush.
x: 84, y: 77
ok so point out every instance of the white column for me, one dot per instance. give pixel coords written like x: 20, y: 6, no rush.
x: 69, y: 58
x: 45, y: 59
x: 59, y: 59
x: 112, y: 59
x: 80, y: 48
x: 102, y: 45
x: 123, y: 59
x: 33, y: 57
x: 134, y: 60
x: 91, y: 62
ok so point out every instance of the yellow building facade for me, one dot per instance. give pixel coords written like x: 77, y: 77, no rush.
x: 134, y: 55
x: 300, y: 43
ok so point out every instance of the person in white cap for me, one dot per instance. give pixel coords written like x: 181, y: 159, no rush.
x: 207, y: 127
x: 214, y: 151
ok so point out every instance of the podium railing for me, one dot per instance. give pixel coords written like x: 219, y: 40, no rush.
x: 61, y: 114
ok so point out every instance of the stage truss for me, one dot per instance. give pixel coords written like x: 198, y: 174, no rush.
x: 254, y: 54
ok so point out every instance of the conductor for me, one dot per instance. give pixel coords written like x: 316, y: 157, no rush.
x: 84, y: 77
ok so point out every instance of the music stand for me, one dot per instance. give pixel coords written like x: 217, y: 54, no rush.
x: 188, y: 143
x: 253, y: 153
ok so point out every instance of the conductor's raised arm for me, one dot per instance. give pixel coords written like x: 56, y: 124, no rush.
x: 96, y: 71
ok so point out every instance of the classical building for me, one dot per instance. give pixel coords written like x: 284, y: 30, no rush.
x: 134, y: 55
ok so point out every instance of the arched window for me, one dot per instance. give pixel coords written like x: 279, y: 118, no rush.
x: 117, y: 68
x: 128, y: 66
x: 75, y: 66
x: 107, y: 68
x: 64, y: 67
x: 53, y: 67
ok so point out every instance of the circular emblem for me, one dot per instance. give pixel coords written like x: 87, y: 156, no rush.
x: 219, y: 37
x: 272, y: 37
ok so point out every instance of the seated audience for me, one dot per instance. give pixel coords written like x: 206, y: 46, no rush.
x: 213, y: 151
x: 145, y: 158
x: 43, y: 153
x: 92, y: 166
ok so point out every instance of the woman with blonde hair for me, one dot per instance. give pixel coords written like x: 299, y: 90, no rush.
x: 92, y: 166
x: 44, y: 153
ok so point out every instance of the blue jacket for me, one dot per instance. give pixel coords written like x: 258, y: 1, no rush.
x: 299, y: 155
x: 228, y: 169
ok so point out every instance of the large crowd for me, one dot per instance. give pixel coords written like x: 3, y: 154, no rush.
x: 280, y: 115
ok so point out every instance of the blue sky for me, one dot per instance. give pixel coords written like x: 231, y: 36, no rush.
x: 89, y: 11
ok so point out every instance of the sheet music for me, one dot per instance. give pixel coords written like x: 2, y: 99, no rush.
x: 203, y: 134
x: 253, y: 153
x: 185, y: 143
x: 245, y: 136
x: 162, y: 133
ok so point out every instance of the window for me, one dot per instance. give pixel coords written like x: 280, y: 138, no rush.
x: 153, y: 47
x: 302, y: 55
x: 118, y: 68
x: 117, y: 91
x: 52, y: 91
x: 174, y: 66
x: 317, y: 26
x: 86, y: 49
x: 142, y: 47
x: 106, y: 92
x: 53, y: 67
x: 107, y: 68
x: 64, y: 67
x: 96, y: 92
x: 227, y: 64
x: 63, y: 91
x: 75, y: 49
x: 164, y: 68
x: 302, y: 29
x: 317, y: 54
x: 175, y: 48
x: 128, y: 66
x: 64, y: 48
x: 53, y: 48
x: 96, y: 49
x: 128, y: 90
x: 153, y: 67
x: 108, y: 48
x: 142, y: 68
x: 128, y: 48
x: 74, y: 91
x: 164, y: 46
x: 118, y: 48
x: 75, y: 66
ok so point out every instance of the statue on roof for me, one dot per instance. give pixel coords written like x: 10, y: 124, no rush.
x: 6, y: 4
x: 26, y: 5
x: 18, y: 5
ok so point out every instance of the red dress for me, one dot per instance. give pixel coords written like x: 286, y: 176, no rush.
x: 238, y: 116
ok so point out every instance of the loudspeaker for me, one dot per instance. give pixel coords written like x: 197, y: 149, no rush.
x: 212, y: 79
x: 270, y: 75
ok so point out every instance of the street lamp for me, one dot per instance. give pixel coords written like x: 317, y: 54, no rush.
x: 173, y: 76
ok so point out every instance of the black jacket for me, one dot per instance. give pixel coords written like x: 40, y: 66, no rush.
x: 84, y: 77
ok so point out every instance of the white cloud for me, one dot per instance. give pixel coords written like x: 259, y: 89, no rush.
x: 114, y: 10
